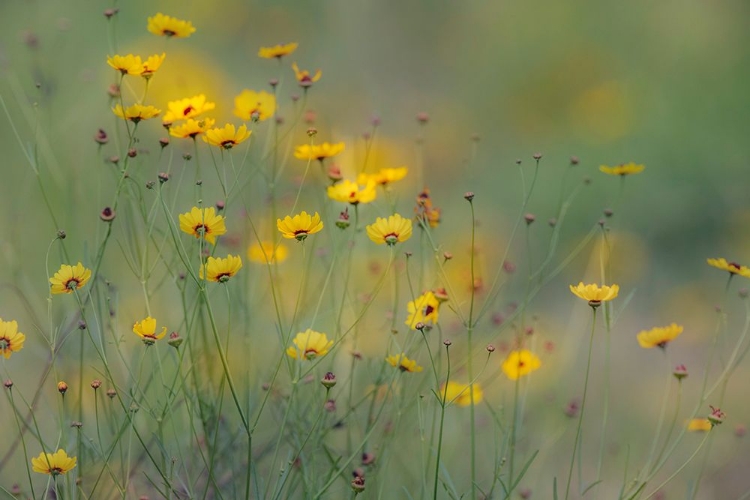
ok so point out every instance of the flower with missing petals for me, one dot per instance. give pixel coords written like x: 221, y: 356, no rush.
x: 304, y: 77
x: 146, y: 330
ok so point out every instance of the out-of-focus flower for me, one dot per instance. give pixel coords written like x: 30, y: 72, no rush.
x: 318, y: 151
x: 623, y: 169
x: 11, y: 340
x: 170, y: 26
x: 136, y: 112
x: 350, y: 192
x: 304, y: 77
x: 731, y: 267
x: 423, y: 309
x: 309, y: 345
x: 146, y: 330
x: 277, y: 51
x: 699, y: 425
x: 299, y: 226
x: 460, y: 394
x: 403, y: 363
x: 384, y: 176
x: 394, y: 229
x: 220, y: 270
x: 226, y: 137
x: 251, y: 105
x: 203, y: 222
x: 53, y: 464
x: 191, y: 128
x: 190, y: 107
x: 659, y: 336
x: 595, y: 294
x: 69, y: 278
x: 520, y: 363
x: 425, y: 213
x: 266, y: 253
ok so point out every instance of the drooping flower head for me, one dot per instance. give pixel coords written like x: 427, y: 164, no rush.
x: 190, y: 107
x: 595, y: 294
x: 251, y: 105
x: 277, y: 51
x: 11, y: 340
x: 266, y: 253
x: 318, y: 151
x: 299, y: 226
x: 220, y: 270
x: 69, y: 278
x: 53, y: 464
x: 659, y: 336
x: 731, y: 267
x: 623, y: 169
x: 461, y: 394
x: 309, y: 345
x: 226, y: 137
x: 170, y: 26
x: 520, y: 363
x: 146, y: 330
x: 191, y: 128
x: 136, y: 112
x: 304, y: 77
x: 203, y: 222
x: 394, y: 229
x: 424, y: 309
x: 403, y: 363
x: 350, y: 192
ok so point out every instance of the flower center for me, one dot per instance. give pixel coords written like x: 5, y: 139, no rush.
x: 391, y: 238
x: 4, y: 344
x: 72, y: 284
x: 223, y: 277
x: 188, y: 110
x: 734, y: 268
x: 169, y: 32
x: 310, y: 353
x: 428, y: 310
x: 201, y: 230
x: 228, y: 144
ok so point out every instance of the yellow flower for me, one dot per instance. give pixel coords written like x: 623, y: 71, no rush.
x: 299, y: 226
x: 277, y: 51
x: 53, y: 463
x: 318, y: 151
x: 594, y: 294
x: 11, y: 340
x: 151, y: 65
x: 190, y: 107
x: 623, y: 169
x: 392, y: 230
x: 403, y: 363
x: 191, y: 128
x: 699, y: 425
x: 146, y: 330
x: 423, y: 309
x: 386, y: 176
x: 136, y: 112
x: 251, y: 105
x: 69, y: 278
x: 170, y: 26
x: 127, y: 65
x: 309, y: 344
x: 731, y: 267
x: 659, y: 336
x: 460, y: 394
x: 226, y: 137
x: 203, y: 222
x: 265, y: 253
x: 220, y: 270
x: 347, y: 191
x: 304, y: 78
x: 520, y: 363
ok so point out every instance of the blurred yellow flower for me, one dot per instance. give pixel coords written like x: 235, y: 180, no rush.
x: 11, y: 340
x: 309, y: 345
x: 69, y: 278
x: 190, y: 107
x: 277, y: 51
x: 699, y: 425
x: 152, y: 64
x: 594, y: 294
x: 127, y: 65
x: 299, y: 226
x: 203, y: 222
x: 191, y: 128
x: 304, y: 78
x: 318, y: 151
x: 53, y: 463
x: 170, y: 26
x: 423, y: 309
x: 385, y: 176
x: 347, y: 191
x: 146, y: 330
x: 520, y: 363
x: 265, y: 253
x: 220, y: 270
x: 659, y: 336
x: 392, y: 230
x: 731, y: 267
x: 136, y: 112
x: 460, y: 394
x: 251, y: 105
x: 623, y: 169
x: 226, y: 137
x: 403, y: 363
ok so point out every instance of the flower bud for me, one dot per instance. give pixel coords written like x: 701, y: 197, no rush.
x: 175, y: 340
x: 96, y: 383
x: 680, y: 372
x: 328, y: 380
x: 62, y: 387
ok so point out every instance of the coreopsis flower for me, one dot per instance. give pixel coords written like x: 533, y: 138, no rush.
x: 394, y: 229
x: 203, y: 222
x: 594, y: 294
x: 623, y: 169
x: 699, y: 425
x: 386, y: 176
x: 461, y: 393
x: 520, y: 363
x: 277, y: 51
x: 659, y: 336
x: 350, y: 192
x: 251, y: 105
x: 146, y: 330
x: 136, y: 112
x: 220, y: 270
x: 304, y: 77
x: 152, y: 64
x: 126, y: 65
x: 190, y: 107
x: 266, y: 253
x: 403, y: 363
x: 309, y: 345
x: 170, y: 26
x: 731, y: 267
x: 299, y: 226
x: 423, y: 309
x: 69, y: 278
x: 191, y: 128
x: 11, y: 340
x: 53, y: 464
x: 318, y: 151
x: 226, y: 137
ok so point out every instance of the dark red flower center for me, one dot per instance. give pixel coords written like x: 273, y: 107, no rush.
x: 188, y: 110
